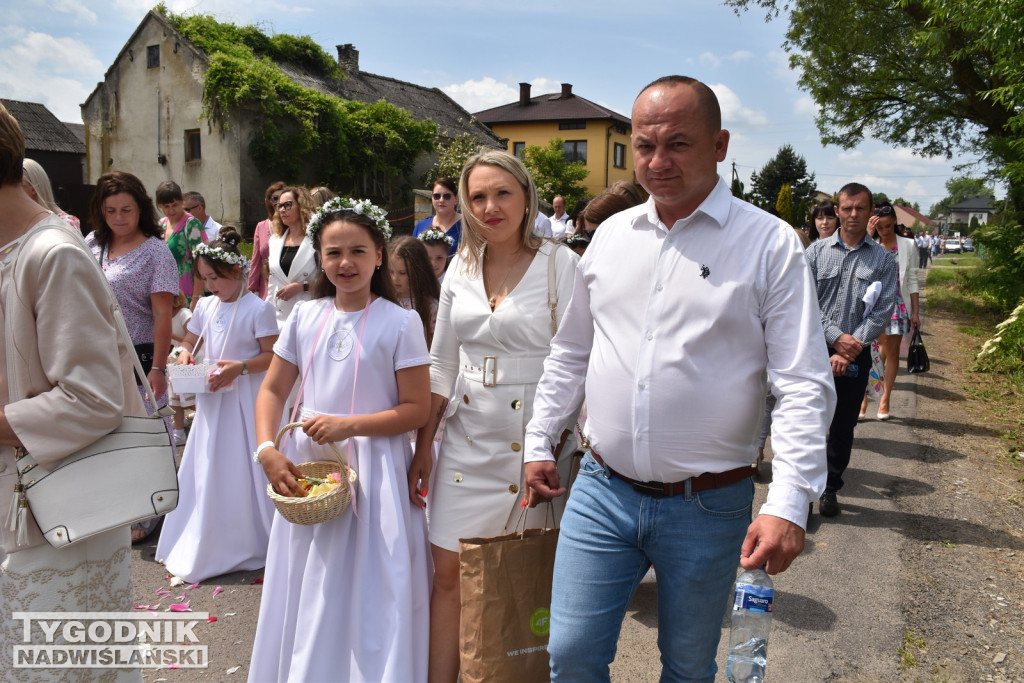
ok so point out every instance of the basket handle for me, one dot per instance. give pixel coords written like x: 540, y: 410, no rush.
x: 292, y: 425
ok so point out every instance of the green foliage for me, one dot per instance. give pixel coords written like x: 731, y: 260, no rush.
x: 903, y: 202
x: 938, y: 76
x: 785, y: 168
x: 1001, y: 280
x: 299, y: 132
x: 452, y: 158
x: 1005, y: 351
x: 784, y: 204
x: 880, y: 197
x: 960, y: 189
x: 553, y: 175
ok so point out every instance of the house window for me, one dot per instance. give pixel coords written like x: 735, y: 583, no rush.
x: 575, y: 150
x: 193, y: 147
x: 620, y: 155
x: 518, y: 148
x: 620, y: 129
x: 572, y: 125
x: 152, y: 56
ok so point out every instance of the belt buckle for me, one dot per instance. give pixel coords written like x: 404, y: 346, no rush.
x: 493, y: 370
x: 647, y: 488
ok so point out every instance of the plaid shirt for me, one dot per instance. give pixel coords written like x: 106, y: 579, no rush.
x: 843, y: 276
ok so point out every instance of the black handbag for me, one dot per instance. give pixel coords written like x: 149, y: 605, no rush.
x: 917, y: 356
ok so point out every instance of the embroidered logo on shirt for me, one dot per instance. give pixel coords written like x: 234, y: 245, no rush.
x: 339, y: 344
x: 704, y: 272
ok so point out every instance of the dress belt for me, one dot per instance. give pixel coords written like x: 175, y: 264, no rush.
x: 494, y: 370
x: 705, y: 482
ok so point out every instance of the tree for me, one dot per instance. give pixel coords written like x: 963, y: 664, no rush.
x: 938, y: 76
x: 553, y: 175
x: 785, y: 168
x: 960, y: 189
x: 903, y: 202
x: 880, y: 198
x: 452, y: 157
x: 784, y: 204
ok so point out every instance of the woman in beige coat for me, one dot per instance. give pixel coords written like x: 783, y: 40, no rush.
x: 57, y: 395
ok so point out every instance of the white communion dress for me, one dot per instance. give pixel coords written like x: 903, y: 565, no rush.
x: 222, y: 522
x: 348, y: 599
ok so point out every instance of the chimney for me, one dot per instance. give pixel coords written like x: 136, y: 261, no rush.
x: 566, y: 90
x: 524, y: 94
x: 348, y: 59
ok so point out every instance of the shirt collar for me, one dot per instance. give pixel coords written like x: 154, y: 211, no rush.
x: 715, y: 206
x: 838, y: 242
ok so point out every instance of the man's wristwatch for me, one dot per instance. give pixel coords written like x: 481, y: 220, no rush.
x: 245, y: 367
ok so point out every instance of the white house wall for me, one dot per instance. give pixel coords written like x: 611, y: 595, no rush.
x: 137, y: 118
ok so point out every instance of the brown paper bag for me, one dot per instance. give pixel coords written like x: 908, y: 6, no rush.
x: 506, y: 602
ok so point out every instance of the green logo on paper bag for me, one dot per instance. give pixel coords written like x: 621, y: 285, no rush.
x: 540, y: 621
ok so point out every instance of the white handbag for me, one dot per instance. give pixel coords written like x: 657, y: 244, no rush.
x: 126, y: 476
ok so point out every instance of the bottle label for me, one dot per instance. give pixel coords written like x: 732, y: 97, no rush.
x: 753, y: 598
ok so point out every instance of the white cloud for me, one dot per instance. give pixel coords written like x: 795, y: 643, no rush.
x: 733, y: 111
x: 38, y: 67
x: 488, y: 92
x: 741, y: 56
x: 805, y: 106
x: 710, y: 59
x: 77, y: 9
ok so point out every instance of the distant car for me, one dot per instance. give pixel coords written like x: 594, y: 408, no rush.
x: 953, y: 246
x: 968, y: 245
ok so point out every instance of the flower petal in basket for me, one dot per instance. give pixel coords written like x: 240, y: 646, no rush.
x: 320, y: 508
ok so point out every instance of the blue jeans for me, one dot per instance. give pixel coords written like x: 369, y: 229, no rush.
x: 610, y: 535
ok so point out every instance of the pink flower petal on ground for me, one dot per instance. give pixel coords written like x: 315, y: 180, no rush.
x: 218, y: 590
x: 163, y: 592
x: 148, y: 607
x: 183, y: 597
x: 211, y: 620
x: 255, y: 581
x: 194, y: 585
x: 172, y: 666
x: 179, y: 607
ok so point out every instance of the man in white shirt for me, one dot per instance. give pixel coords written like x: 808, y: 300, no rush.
x: 559, y: 219
x: 542, y: 226
x: 196, y: 205
x: 682, y: 308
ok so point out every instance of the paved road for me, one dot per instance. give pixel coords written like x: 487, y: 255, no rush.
x: 836, y: 609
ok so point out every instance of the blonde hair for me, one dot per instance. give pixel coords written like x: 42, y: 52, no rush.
x: 472, y: 242
x: 302, y: 202
x: 36, y: 176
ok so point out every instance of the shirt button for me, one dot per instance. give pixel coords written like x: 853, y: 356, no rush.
x: 639, y: 437
x: 457, y: 477
x: 659, y: 287
x: 650, y: 336
x: 512, y: 488
x: 641, y: 385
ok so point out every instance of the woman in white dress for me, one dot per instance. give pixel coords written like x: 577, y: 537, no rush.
x: 493, y: 332
x: 348, y: 599
x: 222, y: 522
x: 290, y: 253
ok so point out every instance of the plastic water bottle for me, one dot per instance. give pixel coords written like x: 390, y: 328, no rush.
x: 751, y: 622
x: 852, y: 370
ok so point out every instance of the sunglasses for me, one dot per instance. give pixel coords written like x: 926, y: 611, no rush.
x: 445, y: 196
x: 192, y: 208
x: 883, y: 210
x: 274, y: 198
x: 286, y: 206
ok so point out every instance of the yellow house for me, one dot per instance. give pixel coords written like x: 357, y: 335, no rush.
x: 593, y: 134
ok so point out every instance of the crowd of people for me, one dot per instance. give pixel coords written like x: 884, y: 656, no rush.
x: 453, y: 370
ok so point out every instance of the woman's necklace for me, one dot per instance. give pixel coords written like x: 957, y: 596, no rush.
x: 492, y: 300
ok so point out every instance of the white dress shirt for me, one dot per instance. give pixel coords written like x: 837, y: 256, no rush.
x: 211, y: 228
x: 542, y: 225
x: 559, y: 226
x: 675, y: 331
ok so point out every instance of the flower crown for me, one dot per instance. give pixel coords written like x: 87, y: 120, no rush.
x: 576, y: 239
x: 363, y: 207
x: 435, y: 235
x: 218, y: 254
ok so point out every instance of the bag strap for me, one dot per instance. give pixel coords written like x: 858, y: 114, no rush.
x: 552, y: 291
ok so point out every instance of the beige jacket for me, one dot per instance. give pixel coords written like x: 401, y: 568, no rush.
x: 61, y: 332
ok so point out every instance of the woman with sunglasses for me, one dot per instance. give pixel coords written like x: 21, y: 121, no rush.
x: 290, y: 253
x: 259, y: 267
x: 445, y: 197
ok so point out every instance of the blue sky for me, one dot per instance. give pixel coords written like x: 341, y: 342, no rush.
x: 56, y: 51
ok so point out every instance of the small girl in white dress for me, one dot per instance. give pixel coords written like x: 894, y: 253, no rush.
x: 348, y: 599
x: 222, y: 522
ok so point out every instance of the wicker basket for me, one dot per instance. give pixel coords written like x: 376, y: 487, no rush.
x: 320, y: 508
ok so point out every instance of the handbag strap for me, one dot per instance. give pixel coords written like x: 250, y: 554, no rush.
x: 552, y: 290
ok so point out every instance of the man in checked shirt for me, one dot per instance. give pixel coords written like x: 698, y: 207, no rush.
x: 844, y: 266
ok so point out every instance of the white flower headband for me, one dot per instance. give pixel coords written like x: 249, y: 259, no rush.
x: 363, y: 207
x: 576, y: 239
x: 218, y: 254
x: 435, y: 235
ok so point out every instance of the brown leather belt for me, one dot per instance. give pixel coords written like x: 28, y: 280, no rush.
x: 705, y: 482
